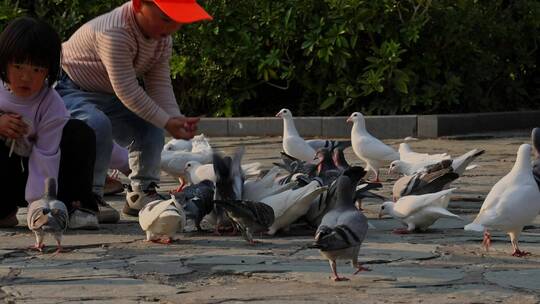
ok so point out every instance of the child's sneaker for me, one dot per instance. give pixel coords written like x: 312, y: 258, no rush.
x: 9, y: 221
x: 112, y: 185
x: 83, y: 219
x: 107, y: 214
x: 136, y: 200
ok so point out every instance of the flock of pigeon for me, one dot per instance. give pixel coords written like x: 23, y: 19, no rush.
x: 314, y: 184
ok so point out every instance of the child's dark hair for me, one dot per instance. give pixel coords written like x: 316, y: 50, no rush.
x: 30, y: 41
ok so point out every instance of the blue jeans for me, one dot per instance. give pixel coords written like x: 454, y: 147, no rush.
x: 110, y: 119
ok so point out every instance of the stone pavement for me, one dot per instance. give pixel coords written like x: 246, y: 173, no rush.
x: 443, y: 265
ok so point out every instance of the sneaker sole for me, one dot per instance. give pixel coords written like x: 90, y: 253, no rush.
x: 130, y: 211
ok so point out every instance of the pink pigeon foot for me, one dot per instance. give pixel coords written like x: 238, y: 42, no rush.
x: 400, y: 231
x: 37, y: 247
x: 518, y: 253
x: 361, y: 268
x: 486, y: 242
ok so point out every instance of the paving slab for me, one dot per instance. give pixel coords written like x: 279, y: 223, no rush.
x: 442, y: 265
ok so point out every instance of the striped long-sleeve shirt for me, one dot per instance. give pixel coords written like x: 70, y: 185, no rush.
x: 109, y: 53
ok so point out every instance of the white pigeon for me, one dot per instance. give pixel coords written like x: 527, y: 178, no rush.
x: 197, y: 144
x: 291, y: 204
x: 161, y: 219
x: 512, y: 203
x: 48, y: 215
x: 178, y: 145
x: 175, y: 155
x: 255, y: 190
x: 419, y: 212
x: 293, y: 144
x: 197, y: 172
x: 459, y: 164
x: 408, y: 155
x: 368, y: 148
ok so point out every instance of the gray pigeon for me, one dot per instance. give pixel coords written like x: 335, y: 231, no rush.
x: 48, y: 215
x: 434, y: 179
x: 229, y: 184
x: 248, y: 217
x: 199, y: 201
x: 342, y: 230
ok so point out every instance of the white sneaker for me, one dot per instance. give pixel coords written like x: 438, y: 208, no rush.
x: 136, y: 200
x: 83, y: 219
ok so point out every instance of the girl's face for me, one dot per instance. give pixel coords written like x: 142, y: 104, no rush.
x: 24, y: 79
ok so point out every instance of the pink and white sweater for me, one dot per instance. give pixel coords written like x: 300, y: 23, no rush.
x: 109, y: 53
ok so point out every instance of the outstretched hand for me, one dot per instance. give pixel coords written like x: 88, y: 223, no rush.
x: 182, y: 127
x: 12, y: 126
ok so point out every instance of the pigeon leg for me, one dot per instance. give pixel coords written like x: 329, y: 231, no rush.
x: 486, y: 242
x: 361, y: 268
x: 166, y: 241
x: 181, y: 186
x: 518, y: 253
x: 335, y: 276
x: 358, y: 205
x: 37, y: 247
x: 358, y: 266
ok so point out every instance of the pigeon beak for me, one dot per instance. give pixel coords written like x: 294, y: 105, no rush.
x: 349, y: 119
x: 278, y: 114
x: 380, y: 215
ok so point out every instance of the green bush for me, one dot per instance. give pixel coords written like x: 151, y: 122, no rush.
x: 331, y: 57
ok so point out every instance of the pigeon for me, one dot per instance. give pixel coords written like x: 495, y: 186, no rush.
x: 434, y: 179
x: 342, y: 230
x: 535, y: 139
x: 199, y: 201
x: 48, y: 215
x: 178, y: 145
x: 293, y: 144
x: 331, y: 145
x: 255, y: 190
x: 161, y: 219
x: 419, y: 212
x: 229, y: 178
x: 512, y: 203
x: 294, y: 167
x: 247, y: 216
x: 326, y: 169
x: 368, y: 148
x: 290, y: 205
x: 197, y: 172
x: 339, y: 159
x: 327, y: 200
x: 407, y: 154
x: 459, y: 164
x: 174, y: 156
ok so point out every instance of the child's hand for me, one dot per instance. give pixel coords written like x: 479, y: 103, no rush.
x: 12, y: 126
x: 182, y: 127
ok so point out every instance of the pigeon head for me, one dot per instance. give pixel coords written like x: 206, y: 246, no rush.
x: 356, y: 117
x: 344, y: 192
x: 355, y: 173
x: 284, y: 113
x: 523, y: 160
x: 396, y: 167
x: 191, y: 165
x: 535, y: 139
x: 386, y: 208
x: 339, y: 158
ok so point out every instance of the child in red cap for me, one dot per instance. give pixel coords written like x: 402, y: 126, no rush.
x: 116, y: 78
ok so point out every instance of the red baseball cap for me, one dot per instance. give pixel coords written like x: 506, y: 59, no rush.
x: 183, y: 11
